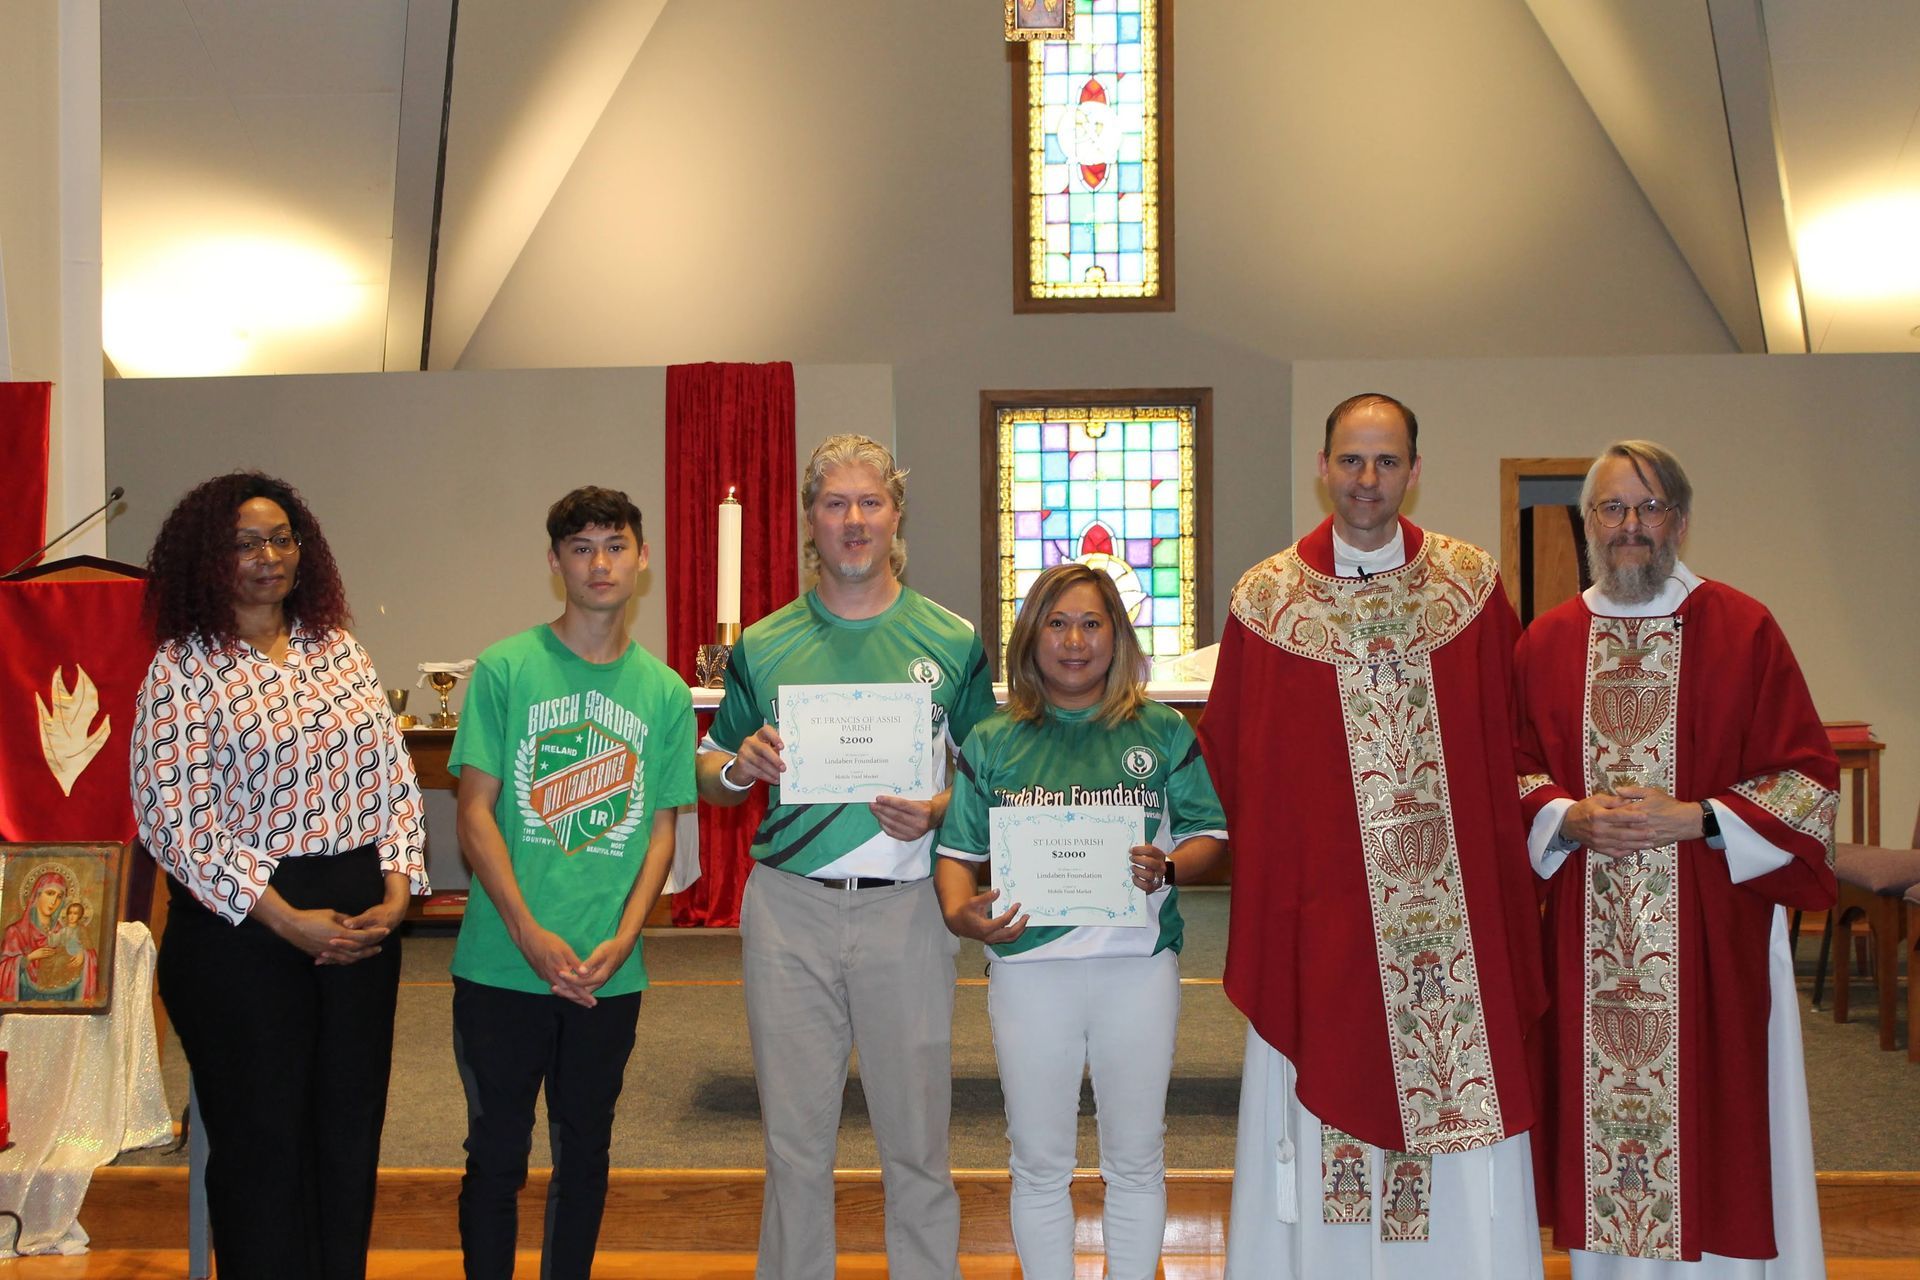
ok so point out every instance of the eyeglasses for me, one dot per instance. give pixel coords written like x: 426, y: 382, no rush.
x: 253, y: 548
x: 1653, y: 512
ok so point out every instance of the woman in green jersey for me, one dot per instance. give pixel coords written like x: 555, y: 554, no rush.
x: 1078, y: 729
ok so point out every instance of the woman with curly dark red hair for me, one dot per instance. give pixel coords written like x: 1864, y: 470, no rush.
x: 271, y: 783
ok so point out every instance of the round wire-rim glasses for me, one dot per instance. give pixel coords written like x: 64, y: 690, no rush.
x: 1653, y: 513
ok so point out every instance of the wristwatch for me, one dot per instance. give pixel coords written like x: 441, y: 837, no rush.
x: 1709, y: 823
x: 726, y: 777
x: 1169, y: 871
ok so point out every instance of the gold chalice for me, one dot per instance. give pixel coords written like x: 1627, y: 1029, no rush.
x: 442, y: 683
x: 397, y: 699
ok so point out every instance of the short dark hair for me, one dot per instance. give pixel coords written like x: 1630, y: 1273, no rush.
x: 589, y: 506
x: 1361, y: 401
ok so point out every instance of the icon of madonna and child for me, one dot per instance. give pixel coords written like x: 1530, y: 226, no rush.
x: 51, y: 951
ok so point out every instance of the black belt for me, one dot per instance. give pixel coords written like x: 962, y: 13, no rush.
x: 858, y: 882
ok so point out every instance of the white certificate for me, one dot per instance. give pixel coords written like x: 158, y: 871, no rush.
x: 1068, y: 864
x: 848, y: 743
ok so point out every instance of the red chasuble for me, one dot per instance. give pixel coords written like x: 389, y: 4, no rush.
x: 1656, y: 1130
x: 1384, y: 931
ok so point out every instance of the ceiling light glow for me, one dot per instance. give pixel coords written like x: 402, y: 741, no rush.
x: 198, y: 308
x: 1865, y: 250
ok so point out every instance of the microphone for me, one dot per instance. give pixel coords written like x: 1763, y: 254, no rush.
x: 118, y: 493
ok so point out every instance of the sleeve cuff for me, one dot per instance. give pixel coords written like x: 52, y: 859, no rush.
x: 1545, y: 847
x: 1750, y: 855
x: 960, y: 855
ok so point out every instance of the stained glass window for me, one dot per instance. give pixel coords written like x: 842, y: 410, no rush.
x: 1096, y: 193
x: 1118, y: 486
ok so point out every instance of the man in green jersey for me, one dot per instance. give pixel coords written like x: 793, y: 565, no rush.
x: 843, y: 942
x: 574, y: 748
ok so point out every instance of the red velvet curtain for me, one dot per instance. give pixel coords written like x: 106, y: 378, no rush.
x: 727, y: 424
x: 23, y: 462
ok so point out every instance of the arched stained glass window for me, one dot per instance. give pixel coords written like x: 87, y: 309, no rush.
x: 1116, y: 480
x: 1095, y: 164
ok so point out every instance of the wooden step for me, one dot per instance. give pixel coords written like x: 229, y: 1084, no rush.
x: 1863, y: 1215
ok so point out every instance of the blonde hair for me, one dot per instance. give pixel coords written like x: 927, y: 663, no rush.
x: 1027, y: 689
x: 851, y: 450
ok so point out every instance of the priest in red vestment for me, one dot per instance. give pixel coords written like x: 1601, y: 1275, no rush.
x: 1384, y: 938
x: 1681, y: 795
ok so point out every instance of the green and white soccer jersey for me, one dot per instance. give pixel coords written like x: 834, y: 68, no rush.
x: 1152, y: 761
x: 803, y: 643
x: 586, y: 753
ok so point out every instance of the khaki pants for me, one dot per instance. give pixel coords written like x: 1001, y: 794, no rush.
x: 828, y: 971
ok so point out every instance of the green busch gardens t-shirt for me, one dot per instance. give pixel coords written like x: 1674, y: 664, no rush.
x: 803, y: 643
x: 586, y: 752
x: 1152, y: 760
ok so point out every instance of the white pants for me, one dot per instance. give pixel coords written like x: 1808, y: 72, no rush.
x: 1484, y: 1224
x: 1796, y: 1202
x: 1052, y: 1020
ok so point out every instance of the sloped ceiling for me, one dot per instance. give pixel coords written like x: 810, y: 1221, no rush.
x: 1780, y: 142
x: 249, y: 155
x: 529, y: 83
x: 250, y: 151
x: 247, y: 162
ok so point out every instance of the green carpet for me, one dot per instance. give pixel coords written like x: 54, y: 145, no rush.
x: 689, y: 1099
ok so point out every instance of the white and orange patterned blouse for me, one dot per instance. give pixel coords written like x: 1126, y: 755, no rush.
x: 240, y: 761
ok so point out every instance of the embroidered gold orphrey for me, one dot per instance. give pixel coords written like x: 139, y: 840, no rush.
x: 1346, y: 1188
x: 1799, y: 802
x: 1379, y: 635
x: 1632, y: 988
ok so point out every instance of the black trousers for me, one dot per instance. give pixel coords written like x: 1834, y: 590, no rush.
x: 290, y: 1060
x: 506, y: 1043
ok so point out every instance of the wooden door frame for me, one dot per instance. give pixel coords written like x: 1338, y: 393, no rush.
x: 1512, y: 472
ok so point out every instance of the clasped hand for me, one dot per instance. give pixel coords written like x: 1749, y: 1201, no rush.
x: 1629, y: 820
x: 566, y: 974
x: 334, y: 937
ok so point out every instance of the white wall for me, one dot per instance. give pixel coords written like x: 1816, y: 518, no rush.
x: 777, y: 181
x: 433, y: 488
x: 1803, y: 473
x: 50, y: 240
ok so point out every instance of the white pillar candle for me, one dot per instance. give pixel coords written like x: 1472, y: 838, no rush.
x: 727, y: 593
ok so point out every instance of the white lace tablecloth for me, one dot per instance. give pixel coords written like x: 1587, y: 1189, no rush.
x: 81, y: 1089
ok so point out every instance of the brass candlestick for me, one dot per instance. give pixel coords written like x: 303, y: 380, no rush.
x: 710, y: 660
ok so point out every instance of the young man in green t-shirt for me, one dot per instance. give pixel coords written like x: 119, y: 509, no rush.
x: 842, y: 942
x: 575, y: 747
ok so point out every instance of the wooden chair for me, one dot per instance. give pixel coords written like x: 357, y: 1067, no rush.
x: 1913, y: 970
x: 1873, y: 884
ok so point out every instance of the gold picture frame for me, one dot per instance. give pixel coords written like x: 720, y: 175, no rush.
x: 1040, y: 19
x: 60, y: 906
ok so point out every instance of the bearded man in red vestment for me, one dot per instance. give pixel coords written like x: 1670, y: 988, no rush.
x: 1681, y: 795
x: 1384, y: 938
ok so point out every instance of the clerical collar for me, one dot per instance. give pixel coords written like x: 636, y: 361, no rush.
x: 1351, y: 562
x: 1666, y: 601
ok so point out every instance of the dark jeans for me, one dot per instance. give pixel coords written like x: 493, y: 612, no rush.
x: 290, y: 1060
x: 506, y: 1043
